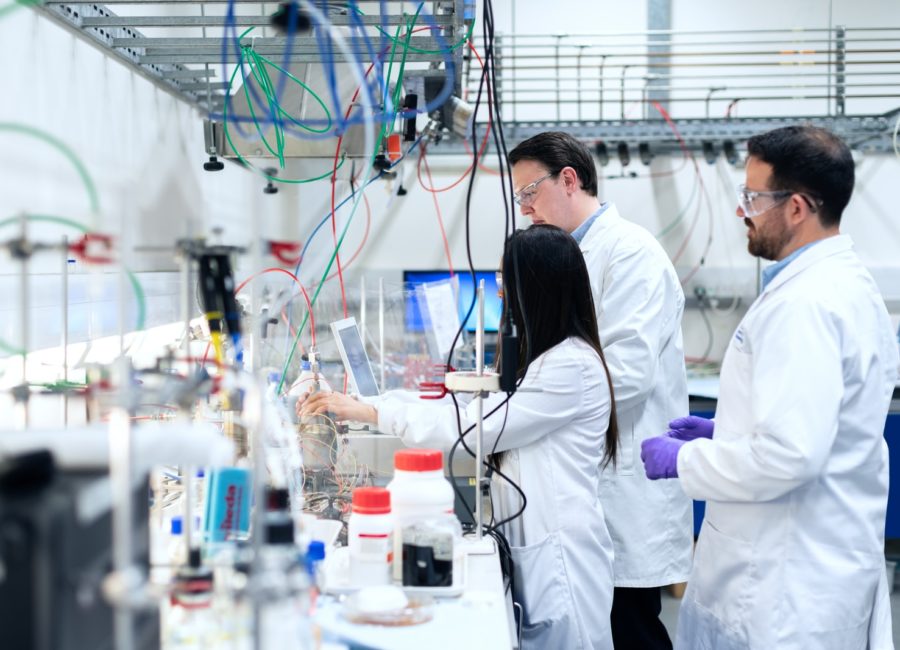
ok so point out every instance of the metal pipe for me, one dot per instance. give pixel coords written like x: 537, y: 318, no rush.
x: 743, y: 98
x: 24, y: 323
x: 381, y: 329
x: 65, y: 327
x: 757, y: 64
x: 580, y: 82
x: 479, y: 413
x: 362, y: 309
x: 622, y: 91
x: 727, y: 76
x: 252, y: 410
x: 120, y: 467
x: 556, y: 58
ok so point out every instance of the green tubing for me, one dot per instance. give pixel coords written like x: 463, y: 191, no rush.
x: 258, y: 70
x: 65, y: 150
x: 265, y: 82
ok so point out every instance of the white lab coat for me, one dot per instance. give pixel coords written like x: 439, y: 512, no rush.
x: 639, y: 306
x: 554, y: 438
x: 791, y: 553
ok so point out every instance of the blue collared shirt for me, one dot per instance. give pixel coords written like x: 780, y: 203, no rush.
x: 770, y: 272
x: 581, y: 230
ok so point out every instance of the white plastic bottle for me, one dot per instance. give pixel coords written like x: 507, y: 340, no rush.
x: 176, y: 553
x: 305, y: 380
x: 419, y: 491
x: 370, y: 537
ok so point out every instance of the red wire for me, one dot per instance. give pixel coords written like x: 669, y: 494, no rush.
x: 437, y: 208
x: 337, y: 254
x: 275, y: 269
x: 466, y: 140
x: 683, y: 247
x: 484, y: 142
x: 363, y: 242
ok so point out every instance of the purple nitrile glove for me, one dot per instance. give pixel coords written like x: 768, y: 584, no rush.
x: 660, y: 456
x: 690, y: 428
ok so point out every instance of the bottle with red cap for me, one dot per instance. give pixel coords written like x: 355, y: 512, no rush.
x: 419, y: 492
x: 370, y: 537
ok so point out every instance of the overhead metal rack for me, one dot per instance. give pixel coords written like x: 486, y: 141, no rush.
x: 182, y: 45
x: 715, y: 85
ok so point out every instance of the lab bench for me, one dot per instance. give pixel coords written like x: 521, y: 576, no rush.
x: 480, y: 618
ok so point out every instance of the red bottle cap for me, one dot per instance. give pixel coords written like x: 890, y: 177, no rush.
x: 371, y: 501
x: 418, y: 460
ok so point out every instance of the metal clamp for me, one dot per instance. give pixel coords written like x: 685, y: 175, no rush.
x: 82, y: 247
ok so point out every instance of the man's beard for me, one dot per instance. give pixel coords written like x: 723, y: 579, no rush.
x: 768, y: 242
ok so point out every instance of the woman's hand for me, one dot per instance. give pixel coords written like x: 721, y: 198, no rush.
x: 342, y: 406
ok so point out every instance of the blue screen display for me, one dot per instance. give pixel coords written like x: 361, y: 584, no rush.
x: 493, y: 305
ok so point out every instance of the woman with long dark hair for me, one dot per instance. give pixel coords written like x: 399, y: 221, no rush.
x: 553, y: 436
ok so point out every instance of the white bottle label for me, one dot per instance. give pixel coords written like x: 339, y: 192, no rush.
x: 375, y: 547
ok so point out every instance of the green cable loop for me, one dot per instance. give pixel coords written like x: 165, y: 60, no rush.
x: 240, y: 157
x: 315, y: 96
x: 132, y: 278
x: 259, y: 72
x: 52, y: 140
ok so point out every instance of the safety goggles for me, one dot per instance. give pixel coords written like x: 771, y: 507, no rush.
x: 525, y: 196
x: 753, y: 203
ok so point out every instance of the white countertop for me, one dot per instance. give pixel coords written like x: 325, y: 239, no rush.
x: 479, y: 618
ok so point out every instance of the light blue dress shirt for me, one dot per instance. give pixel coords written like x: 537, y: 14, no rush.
x: 581, y: 230
x: 770, y: 272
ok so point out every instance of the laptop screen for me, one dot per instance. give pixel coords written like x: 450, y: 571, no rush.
x: 353, y: 354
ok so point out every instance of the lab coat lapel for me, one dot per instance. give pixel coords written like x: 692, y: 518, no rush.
x: 594, y: 234
x: 825, y: 248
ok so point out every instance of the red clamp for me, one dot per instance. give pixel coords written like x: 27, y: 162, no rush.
x: 436, y: 389
x: 90, y: 241
x: 281, y: 250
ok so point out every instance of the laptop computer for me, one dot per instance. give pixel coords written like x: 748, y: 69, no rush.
x: 353, y: 354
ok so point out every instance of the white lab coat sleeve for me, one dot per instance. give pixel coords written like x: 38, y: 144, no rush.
x: 796, y: 393
x: 556, y: 382
x: 634, y: 315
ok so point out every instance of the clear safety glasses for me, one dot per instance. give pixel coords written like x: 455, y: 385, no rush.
x: 525, y: 196
x: 753, y: 202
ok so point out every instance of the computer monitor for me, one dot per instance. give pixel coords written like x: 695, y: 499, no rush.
x: 353, y: 354
x: 493, y: 305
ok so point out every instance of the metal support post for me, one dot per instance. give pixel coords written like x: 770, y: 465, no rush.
x: 840, y: 69
x: 479, y: 414
x: 65, y: 328
x: 381, y: 329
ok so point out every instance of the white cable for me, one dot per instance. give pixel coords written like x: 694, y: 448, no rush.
x: 894, y: 139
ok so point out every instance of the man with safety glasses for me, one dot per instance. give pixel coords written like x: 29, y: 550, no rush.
x: 794, y: 468
x: 639, y: 305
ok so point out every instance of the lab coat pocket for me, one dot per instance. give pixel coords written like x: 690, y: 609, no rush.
x: 723, y: 582
x: 541, y: 590
x: 625, y: 462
